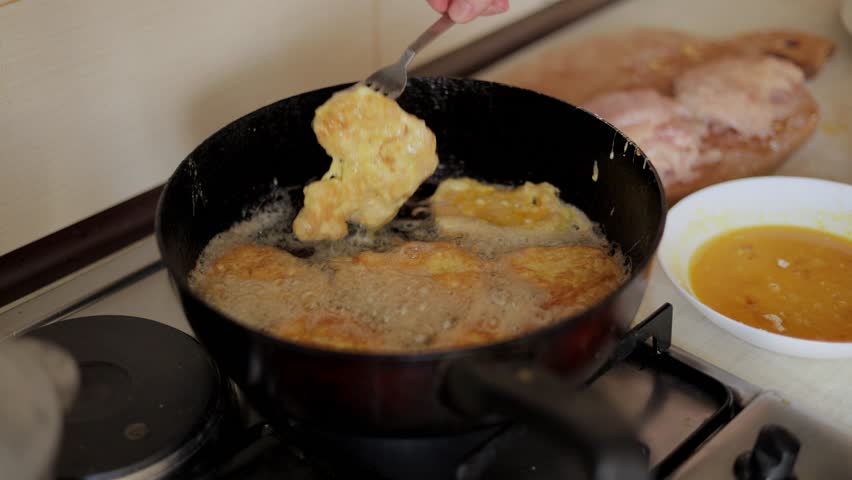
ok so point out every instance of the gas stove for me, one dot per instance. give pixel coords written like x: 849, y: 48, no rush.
x: 153, y: 405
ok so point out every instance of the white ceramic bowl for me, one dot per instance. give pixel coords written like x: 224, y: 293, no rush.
x: 805, y: 202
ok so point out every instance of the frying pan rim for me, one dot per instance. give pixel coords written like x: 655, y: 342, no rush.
x: 417, y: 356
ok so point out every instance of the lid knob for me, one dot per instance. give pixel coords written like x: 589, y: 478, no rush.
x: 772, y: 458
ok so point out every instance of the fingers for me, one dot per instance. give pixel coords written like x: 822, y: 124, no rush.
x: 497, y: 6
x: 440, y: 6
x: 463, y: 11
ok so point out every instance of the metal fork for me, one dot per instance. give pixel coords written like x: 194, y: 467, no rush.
x: 391, y: 80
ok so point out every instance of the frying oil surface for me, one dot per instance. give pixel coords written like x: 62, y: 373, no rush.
x: 361, y: 266
x: 789, y: 280
x: 428, y: 280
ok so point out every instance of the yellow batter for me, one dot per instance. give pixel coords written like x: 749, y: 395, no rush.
x: 788, y: 280
x: 380, y: 155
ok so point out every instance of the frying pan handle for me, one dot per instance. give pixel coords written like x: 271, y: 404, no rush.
x: 585, y: 419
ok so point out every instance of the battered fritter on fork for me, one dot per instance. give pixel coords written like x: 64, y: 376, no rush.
x: 380, y: 155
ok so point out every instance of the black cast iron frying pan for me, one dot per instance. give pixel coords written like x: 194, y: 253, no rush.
x: 488, y: 131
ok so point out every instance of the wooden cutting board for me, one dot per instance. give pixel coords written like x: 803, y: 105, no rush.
x: 653, y: 58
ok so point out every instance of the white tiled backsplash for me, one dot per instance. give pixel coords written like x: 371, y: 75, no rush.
x: 100, y: 99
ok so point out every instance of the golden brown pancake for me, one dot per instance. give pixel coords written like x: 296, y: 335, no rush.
x: 575, y: 276
x: 420, y: 295
x: 530, y: 206
x: 329, y: 329
x: 258, y: 262
x: 502, y: 218
x: 444, y: 262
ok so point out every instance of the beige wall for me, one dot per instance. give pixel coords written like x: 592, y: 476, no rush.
x: 100, y: 99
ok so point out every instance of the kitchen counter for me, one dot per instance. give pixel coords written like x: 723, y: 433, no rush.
x: 821, y: 386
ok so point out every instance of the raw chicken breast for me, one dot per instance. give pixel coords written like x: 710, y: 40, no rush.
x: 667, y: 132
x: 747, y: 94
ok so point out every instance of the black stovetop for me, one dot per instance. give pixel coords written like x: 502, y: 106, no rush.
x: 182, y: 419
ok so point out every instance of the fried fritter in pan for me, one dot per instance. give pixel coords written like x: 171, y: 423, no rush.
x: 421, y: 295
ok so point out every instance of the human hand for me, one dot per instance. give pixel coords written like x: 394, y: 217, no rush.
x: 464, y: 11
x: 38, y: 383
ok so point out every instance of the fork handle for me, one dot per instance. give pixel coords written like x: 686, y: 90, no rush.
x: 434, y: 31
